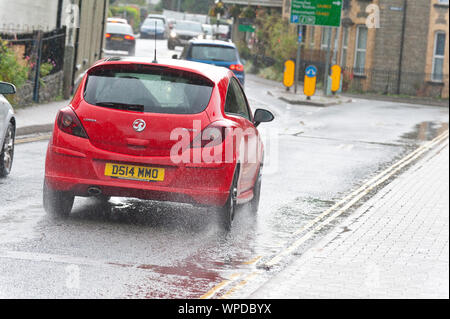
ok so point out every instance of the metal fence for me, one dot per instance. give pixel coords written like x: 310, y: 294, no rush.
x: 37, y: 48
x: 380, y: 81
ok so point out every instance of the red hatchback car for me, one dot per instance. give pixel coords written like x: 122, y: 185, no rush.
x: 170, y: 131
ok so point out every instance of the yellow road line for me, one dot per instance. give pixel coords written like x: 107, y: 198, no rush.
x: 241, y: 284
x: 347, y: 202
x: 220, y: 286
x: 33, y: 139
x: 387, y: 174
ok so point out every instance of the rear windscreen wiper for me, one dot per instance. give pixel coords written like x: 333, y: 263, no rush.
x: 122, y: 106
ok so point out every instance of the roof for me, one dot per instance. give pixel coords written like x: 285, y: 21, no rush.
x: 213, y: 42
x: 214, y: 73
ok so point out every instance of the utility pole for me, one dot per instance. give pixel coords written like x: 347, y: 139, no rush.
x: 297, y: 60
x: 327, y: 62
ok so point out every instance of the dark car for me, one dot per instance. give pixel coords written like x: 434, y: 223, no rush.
x: 120, y: 37
x: 216, y: 52
x: 182, y: 32
x: 153, y: 27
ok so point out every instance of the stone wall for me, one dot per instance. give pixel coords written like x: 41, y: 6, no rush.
x: 50, y: 88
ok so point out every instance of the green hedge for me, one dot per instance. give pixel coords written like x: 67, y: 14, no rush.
x: 132, y: 15
x: 10, y: 69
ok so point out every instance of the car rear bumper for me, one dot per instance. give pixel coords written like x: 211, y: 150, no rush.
x: 120, y: 45
x: 75, y: 165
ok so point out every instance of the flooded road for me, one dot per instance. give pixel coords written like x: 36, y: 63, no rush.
x: 128, y: 248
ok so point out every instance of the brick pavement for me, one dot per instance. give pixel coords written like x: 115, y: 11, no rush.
x: 396, y: 245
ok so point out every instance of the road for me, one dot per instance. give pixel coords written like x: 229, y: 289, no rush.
x: 129, y: 248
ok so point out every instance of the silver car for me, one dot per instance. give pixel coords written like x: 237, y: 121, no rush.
x: 7, y: 129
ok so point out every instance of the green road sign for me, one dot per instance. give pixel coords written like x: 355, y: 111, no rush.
x: 246, y: 28
x: 317, y: 12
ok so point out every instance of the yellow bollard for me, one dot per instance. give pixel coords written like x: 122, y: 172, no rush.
x: 289, y: 71
x: 336, y: 73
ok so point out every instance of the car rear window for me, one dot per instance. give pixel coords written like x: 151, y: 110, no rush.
x: 189, y: 26
x: 148, y: 89
x: 213, y: 53
x: 119, y: 28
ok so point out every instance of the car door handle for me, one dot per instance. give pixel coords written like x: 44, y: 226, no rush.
x: 137, y: 142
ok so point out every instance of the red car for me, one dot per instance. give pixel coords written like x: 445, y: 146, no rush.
x: 170, y: 131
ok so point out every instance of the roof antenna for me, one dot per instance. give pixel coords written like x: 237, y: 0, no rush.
x: 155, y: 61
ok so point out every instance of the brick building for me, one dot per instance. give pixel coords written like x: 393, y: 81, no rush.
x: 407, y: 54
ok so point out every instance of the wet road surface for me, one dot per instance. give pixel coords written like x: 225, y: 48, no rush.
x: 129, y: 248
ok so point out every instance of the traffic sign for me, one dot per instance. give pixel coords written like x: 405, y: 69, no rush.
x: 317, y: 12
x: 311, y: 71
x: 309, y: 83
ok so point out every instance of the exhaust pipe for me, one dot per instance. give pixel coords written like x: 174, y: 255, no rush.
x: 94, y: 191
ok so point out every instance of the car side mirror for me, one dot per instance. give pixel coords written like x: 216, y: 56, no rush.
x: 262, y: 116
x: 7, y: 88
x: 175, y: 57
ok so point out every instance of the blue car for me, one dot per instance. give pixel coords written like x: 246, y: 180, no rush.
x: 215, y: 52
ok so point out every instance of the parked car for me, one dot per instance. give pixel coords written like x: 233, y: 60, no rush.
x: 182, y: 32
x: 120, y: 37
x: 216, y: 52
x: 120, y: 136
x: 7, y: 129
x: 158, y: 16
x: 152, y: 27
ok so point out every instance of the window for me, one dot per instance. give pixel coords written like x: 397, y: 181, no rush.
x: 148, y: 89
x: 213, y: 53
x: 443, y: 1
x: 360, y: 51
x: 311, y: 37
x: 344, y: 46
x: 326, y: 38
x: 438, y: 57
x: 236, y: 103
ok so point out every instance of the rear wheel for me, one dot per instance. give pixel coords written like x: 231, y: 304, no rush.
x: 7, y: 152
x: 56, y: 203
x: 227, y: 212
x: 132, y: 52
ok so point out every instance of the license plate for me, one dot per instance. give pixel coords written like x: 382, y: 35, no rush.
x: 140, y: 173
x: 117, y: 39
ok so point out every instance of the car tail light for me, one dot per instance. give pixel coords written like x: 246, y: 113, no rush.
x: 237, y: 67
x: 129, y: 37
x: 69, y: 123
x: 108, y: 35
x: 211, y: 136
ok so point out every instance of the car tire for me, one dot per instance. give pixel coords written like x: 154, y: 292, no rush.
x: 227, y: 212
x: 7, y: 151
x: 132, y: 52
x: 56, y: 203
x: 254, y: 203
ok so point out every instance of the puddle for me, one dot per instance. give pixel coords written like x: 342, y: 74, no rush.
x: 426, y: 131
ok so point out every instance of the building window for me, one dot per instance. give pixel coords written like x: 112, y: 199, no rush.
x: 311, y: 37
x: 438, y: 57
x: 443, y: 1
x: 360, y: 50
x: 326, y: 34
x: 344, y: 46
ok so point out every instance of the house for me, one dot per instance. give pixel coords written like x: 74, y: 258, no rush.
x: 406, y: 53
